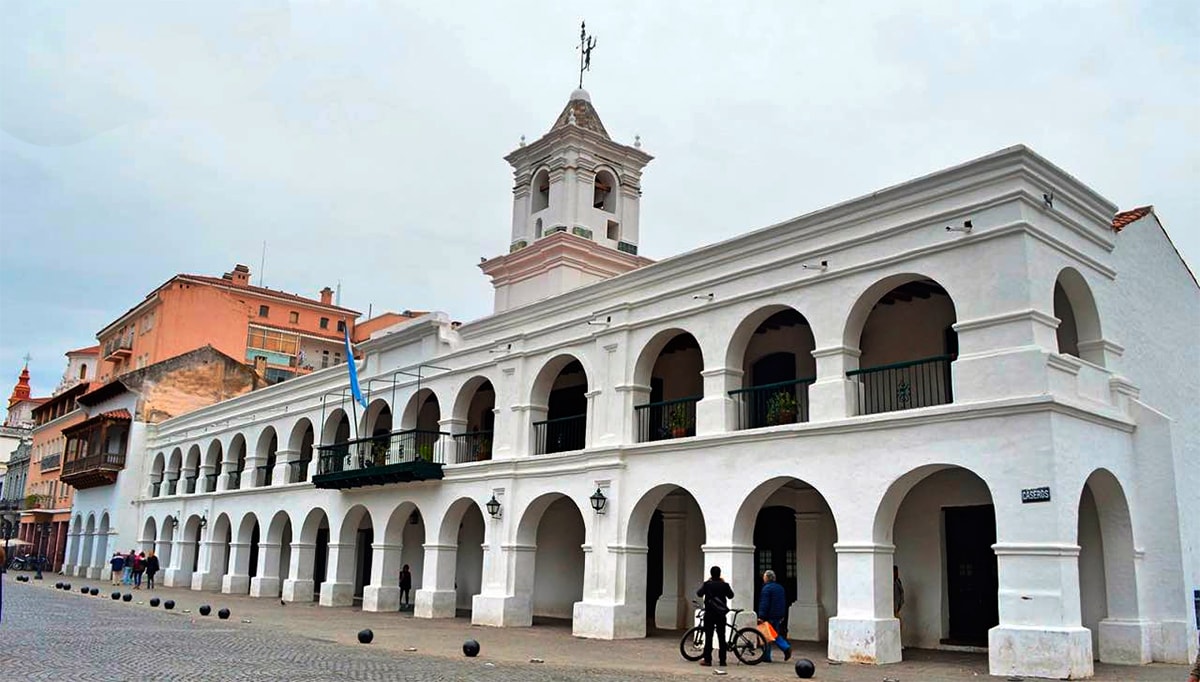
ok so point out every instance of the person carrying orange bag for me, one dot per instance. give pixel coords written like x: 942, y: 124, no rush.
x: 772, y: 609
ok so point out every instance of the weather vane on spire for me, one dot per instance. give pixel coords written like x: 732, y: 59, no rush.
x: 586, y: 45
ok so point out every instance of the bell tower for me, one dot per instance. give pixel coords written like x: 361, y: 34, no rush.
x: 576, y: 204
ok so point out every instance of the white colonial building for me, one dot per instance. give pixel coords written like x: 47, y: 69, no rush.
x: 986, y: 377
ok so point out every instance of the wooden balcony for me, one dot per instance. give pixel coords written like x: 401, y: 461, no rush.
x: 95, y: 451
x: 93, y: 470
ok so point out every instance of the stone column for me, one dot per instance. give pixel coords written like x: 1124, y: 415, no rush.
x: 526, y: 437
x: 632, y: 395
x: 616, y: 607
x: 282, y: 473
x: 202, y: 480
x: 208, y: 578
x: 99, y: 561
x: 437, y: 597
x: 806, y: 616
x: 833, y: 395
x: 865, y: 629
x: 266, y: 582
x: 250, y: 473
x: 716, y: 412
x: 508, y: 603
x: 338, y: 589
x: 237, y: 581
x: 593, y: 412
x: 72, y: 545
x: 383, y: 594
x: 1125, y: 635
x: 671, y: 610
x: 448, y: 444
x: 1040, y: 632
x: 227, y: 467
x: 179, y: 574
x: 737, y: 569
x: 299, y: 585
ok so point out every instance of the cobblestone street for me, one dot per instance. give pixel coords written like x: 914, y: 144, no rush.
x: 51, y: 635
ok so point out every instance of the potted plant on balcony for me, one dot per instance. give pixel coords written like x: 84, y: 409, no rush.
x: 425, y: 451
x: 781, y: 408
x: 483, y: 451
x: 678, y: 421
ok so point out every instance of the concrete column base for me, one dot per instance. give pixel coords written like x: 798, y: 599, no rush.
x: 672, y: 613
x: 264, y: 587
x: 235, y: 584
x: 875, y: 641
x: 381, y: 598
x: 95, y: 572
x: 608, y: 621
x: 805, y: 622
x: 337, y: 594
x: 501, y: 612
x: 1172, y: 641
x: 208, y: 582
x: 80, y: 571
x: 1125, y: 642
x: 177, y: 577
x: 1063, y: 653
x: 68, y: 569
x: 298, y: 591
x: 435, y: 604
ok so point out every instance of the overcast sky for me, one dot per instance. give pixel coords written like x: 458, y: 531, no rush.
x: 364, y: 141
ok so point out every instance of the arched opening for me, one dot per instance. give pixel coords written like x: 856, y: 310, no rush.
x: 604, y: 192
x: 334, y: 450
x: 104, y: 547
x: 669, y: 523
x: 671, y: 365
x: 189, y: 560
x: 377, y: 419
x: 421, y: 434
x: 149, y: 534
x: 476, y: 407
x: 78, y: 530
x: 213, y: 466
x: 942, y: 522
x: 89, y: 558
x: 356, y: 537
x: 792, y: 529
x: 301, y: 442
x: 157, y: 468
x: 165, y: 539
x: 404, y: 546
x: 174, y: 465
x: 315, y: 534
x: 904, y: 329
x: 462, y: 527
x: 539, y: 191
x: 221, y: 549
x: 243, y: 559
x: 236, y: 462
x: 268, y: 447
x: 538, y: 230
x: 561, y: 426
x: 274, y: 558
x: 552, y: 523
x: 191, y: 469
x: 773, y: 348
x: 1079, y: 321
x: 1107, y: 574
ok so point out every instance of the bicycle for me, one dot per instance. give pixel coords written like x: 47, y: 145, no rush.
x: 747, y: 644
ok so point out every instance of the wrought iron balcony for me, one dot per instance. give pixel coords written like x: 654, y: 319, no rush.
x: 397, y: 457
x: 117, y: 349
x: 475, y: 446
x: 784, y: 402
x: 210, y: 483
x: 262, y: 476
x: 234, y: 480
x: 666, y: 419
x: 155, y: 489
x: 189, y: 485
x: 559, y: 435
x: 904, y: 385
x: 172, y: 486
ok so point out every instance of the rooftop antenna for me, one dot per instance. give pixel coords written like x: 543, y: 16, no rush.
x: 262, y: 265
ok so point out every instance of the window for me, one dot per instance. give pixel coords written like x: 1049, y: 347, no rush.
x: 263, y: 310
x: 614, y: 230
x: 147, y: 322
x: 537, y: 229
x: 83, y: 372
x: 324, y: 359
x: 324, y: 323
x: 341, y: 325
x: 273, y: 340
x: 293, y: 317
x: 541, y: 191
x: 337, y: 358
x: 603, y: 196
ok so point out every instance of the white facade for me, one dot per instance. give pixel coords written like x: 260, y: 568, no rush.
x: 937, y: 383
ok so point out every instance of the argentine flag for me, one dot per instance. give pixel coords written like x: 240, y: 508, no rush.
x: 354, y: 389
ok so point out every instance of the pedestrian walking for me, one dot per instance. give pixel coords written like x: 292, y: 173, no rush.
x: 127, y: 572
x: 3, y: 570
x: 151, y: 569
x: 139, y: 567
x: 714, y: 592
x: 772, y: 608
x: 898, y: 601
x: 405, y: 586
x: 117, y: 564
x: 1195, y: 676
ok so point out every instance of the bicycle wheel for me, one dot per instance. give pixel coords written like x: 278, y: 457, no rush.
x: 691, y: 647
x: 749, y: 646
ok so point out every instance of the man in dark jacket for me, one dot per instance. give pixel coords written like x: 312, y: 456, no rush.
x: 714, y: 592
x: 772, y: 608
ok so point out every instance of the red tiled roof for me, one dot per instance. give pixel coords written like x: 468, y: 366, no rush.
x: 1124, y: 218
x: 327, y: 335
x: 219, y: 281
x: 122, y: 414
x: 90, y: 350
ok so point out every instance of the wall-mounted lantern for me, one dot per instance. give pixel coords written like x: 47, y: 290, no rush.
x: 598, y: 501
x: 493, y: 507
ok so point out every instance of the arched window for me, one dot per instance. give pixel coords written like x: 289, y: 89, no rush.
x: 537, y: 229
x: 541, y: 191
x: 604, y: 195
x: 82, y: 372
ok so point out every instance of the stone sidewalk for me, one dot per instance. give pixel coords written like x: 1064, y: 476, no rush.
x: 401, y: 635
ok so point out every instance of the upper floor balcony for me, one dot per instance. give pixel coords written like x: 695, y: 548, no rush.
x: 396, y: 457
x: 119, y: 347
x: 95, y: 450
x: 52, y: 461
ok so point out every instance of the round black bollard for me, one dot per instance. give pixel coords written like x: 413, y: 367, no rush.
x: 154, y: 602
x: 67, y: 587
x: 470, y: 648
x: 805, y: 668
x: 127, y: 597
x: 94, y: 591
x: 83, y: 590
x: 223, y: 614
x: 205, y: 610
x: 365, y: 636
x: 58, y: 585
x: 169, y: 604
x: 116, y: 596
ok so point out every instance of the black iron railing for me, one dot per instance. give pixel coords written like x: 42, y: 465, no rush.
x: 397, y: 447
x: 263, y: 475
x: 155, y: 489
x: 904, y: 385
x: 784, y: 402
x: 474, y: 446
x: 210, y: 483
x: 234, y: 480
x: 666, y: 419
x: 559, y: 435
x: 189, y: 484
x: 172, y: 485
x: 297, y: 471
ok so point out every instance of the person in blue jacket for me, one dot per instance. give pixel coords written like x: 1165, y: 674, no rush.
x: 772, y: 608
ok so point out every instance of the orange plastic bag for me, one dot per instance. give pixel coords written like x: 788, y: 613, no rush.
x: 768, y: 631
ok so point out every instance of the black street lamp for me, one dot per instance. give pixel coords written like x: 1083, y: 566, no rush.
x: 44, y: 529
x: 598, y: 501
x: 493, y: 507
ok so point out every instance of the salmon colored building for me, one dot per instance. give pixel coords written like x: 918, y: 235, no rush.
x: 283, y: 334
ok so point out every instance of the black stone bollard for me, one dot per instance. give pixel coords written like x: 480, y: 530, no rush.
x: 470, y: 648
x: 67, y: 587
x: 365, y: 636
x: 169, y: 604
x: 58, y: 585
x: 805, y: 668
x: 94, y: 591
x: 223, y: 614
x: 116, y: 596
x: 83, y: 590
x: 154, y: 602
x: 205, y: 610
x: 127, y: 597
